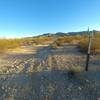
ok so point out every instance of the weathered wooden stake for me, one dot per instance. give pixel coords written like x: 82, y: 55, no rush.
x: 89, y: 49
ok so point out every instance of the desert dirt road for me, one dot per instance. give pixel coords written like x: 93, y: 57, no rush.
x: 18, y: 82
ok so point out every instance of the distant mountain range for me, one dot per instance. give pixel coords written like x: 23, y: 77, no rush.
x: 58, y: 34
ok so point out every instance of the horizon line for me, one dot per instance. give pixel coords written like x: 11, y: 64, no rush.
x: 33, y: 35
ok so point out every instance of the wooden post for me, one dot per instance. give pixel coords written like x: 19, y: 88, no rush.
x: 89, y: 49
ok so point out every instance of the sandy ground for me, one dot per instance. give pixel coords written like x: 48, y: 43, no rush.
x: 14, y: 60
x: 67, y: 56
x: 17, y: 82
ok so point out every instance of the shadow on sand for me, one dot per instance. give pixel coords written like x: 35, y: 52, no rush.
x: 50, y: 85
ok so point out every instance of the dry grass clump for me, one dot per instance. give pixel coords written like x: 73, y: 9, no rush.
x: 43, y: 40
x: 76, y: 69
x: 66, y: 39
x: 6, y: 44
x: 56, y: 45
x: 36, y: 40
x: 69, y: 39
x: 95, y: 48
x: 83, y: 45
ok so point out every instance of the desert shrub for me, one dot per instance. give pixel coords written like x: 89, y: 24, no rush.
x: 8, y: 44
x: 58, y: 43
x: 54, y: 46
x: 83, y: 45
x: 69, y: 39
x: 95, y: 48
x: 36, y: 40
x: 42, y: 40
x: 66, y: 39
x: 74, y: 70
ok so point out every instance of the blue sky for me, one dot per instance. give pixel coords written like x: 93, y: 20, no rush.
x: 21, y: 18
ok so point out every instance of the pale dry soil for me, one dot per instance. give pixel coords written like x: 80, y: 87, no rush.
x: 40, y: 73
